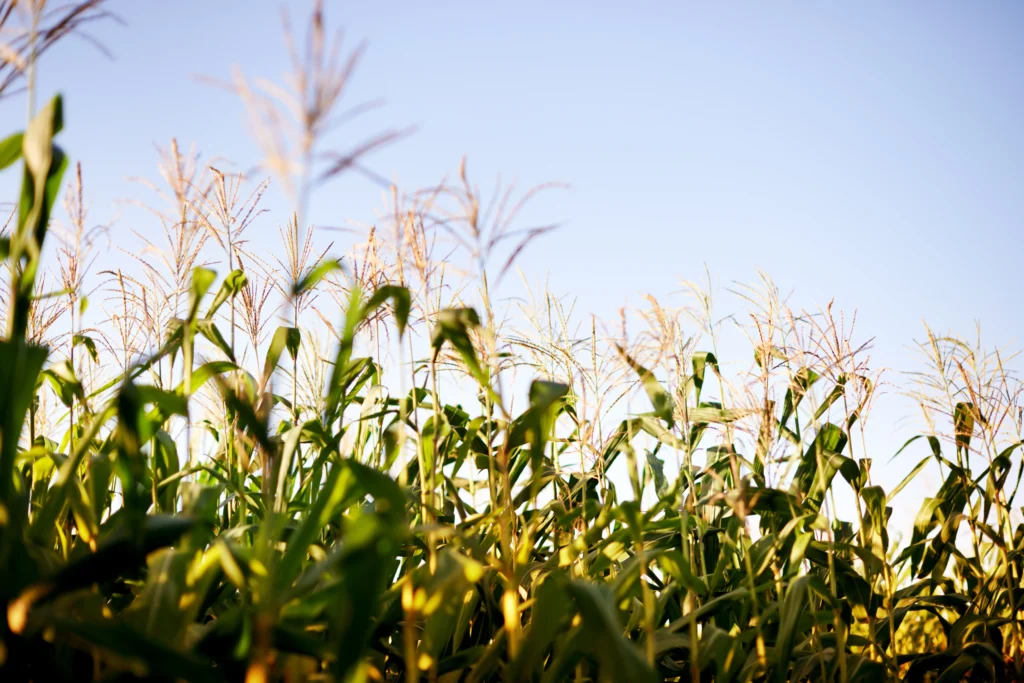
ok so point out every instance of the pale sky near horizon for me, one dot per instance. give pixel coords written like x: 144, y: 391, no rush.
x: 868, y: 152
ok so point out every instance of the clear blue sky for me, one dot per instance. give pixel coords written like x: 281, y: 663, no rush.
x: 867, y: 151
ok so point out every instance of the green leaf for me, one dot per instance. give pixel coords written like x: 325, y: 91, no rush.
x: 234, y: 283
x: 820, y: 463
x: 315, y: 275
x: 206, y: 371
x: 793, y: 607
x: 128, y: 643
x: 701, y: 361
x: 355, y: 314
x: 401, y: 303
x: 535, y: 424
x: 202, y: 280
x: 388, y: 497
x: 708, y: 415
x: 551, y: 612
x: 963, y: 424
x: 44, y: 167
x: 837, y: 391
x: 907, y: 479
x: 169, y: 403
x: 64, y: 383
x: 10, y: 149
x: 284, y: 337
x: 353, y: 614
x: 88, y: 343
x: 331, y: 494
x: 211, y: 332
x: 678, y: 567
x: 293, y: 342
x: 20, y: 364
x: 118, y: 554
x: 43, y: 523
x: 247, y: 416
x: 453, y: 326
x: 799, y: 385
x: 659, y: 396
x: 657, y: 468
x: 618, y: 658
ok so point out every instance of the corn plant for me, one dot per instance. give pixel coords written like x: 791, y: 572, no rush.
x: 191, y: 492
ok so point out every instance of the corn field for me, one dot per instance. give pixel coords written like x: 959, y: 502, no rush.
x: 221, y: 464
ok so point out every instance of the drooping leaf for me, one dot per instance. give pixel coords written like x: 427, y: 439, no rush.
x: 315, y: 275
x: 234, y: 282
x: 659, y: 396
